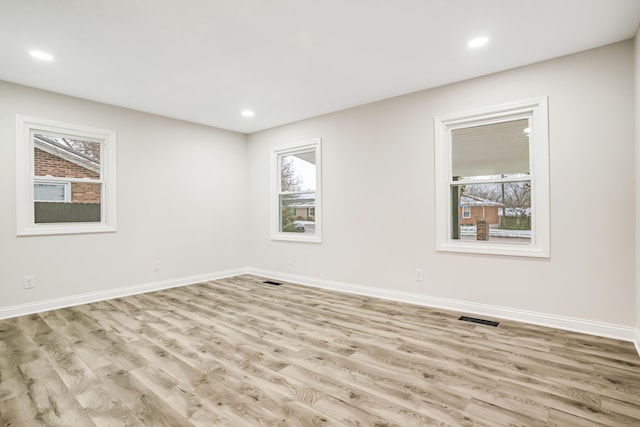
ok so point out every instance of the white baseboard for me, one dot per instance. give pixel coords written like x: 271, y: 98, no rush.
x: 608, y: 330
x: 52, y: 304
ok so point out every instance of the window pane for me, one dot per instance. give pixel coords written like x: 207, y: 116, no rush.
x: 297, y: 213
x: 499, y: 212
x: 56, y: 156
x: 65, y: 157
x: 298, y: 172
x: 489, y: 150
x: 85, y: 206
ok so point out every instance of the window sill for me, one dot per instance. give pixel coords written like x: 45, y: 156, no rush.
x: 296, y: 237
x: 65, y: 229
x: 488, y: 248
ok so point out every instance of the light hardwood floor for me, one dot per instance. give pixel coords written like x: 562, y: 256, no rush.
x: 236, y: 352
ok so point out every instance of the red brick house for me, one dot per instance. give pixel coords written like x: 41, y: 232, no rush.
x: 472, y: 209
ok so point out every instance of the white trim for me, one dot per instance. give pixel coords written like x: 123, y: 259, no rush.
x: 73, y: 300
x: 537, y: 110
x: 608, y: 330
x: 25, y: 224
x: 276, y: 152
x: 636, y: 341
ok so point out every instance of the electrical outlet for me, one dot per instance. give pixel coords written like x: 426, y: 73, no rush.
x: 290, y: 260
x: 156, y: 265
x: 29, y: 282
x: 418, y: 274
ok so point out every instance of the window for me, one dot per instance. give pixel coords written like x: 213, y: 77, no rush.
x: 47, y: 191
x: 65, y: 178
x: 296, y: 199
x: 466, y: 212
x: 492, y: 180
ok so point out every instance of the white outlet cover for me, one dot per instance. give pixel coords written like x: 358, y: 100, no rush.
x: 29, y: 282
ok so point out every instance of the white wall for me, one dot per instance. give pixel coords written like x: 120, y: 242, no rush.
x: 181, y: 200
x: 378, y: 161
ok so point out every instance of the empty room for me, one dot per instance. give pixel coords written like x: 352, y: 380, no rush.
x: 319, y: 213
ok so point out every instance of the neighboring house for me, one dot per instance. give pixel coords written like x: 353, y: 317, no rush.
x: 305, y: 212
x: 472, y: 208
x: 55, y: 160
x: 303, y: 207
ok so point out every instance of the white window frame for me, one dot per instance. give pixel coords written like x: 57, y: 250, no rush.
x: 25, y: 176
x: 536, y: 110
x: 64, y: 184
x: 277, y: 154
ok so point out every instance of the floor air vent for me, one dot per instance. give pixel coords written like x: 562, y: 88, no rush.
x: 480, y: 321
x: 271, y: 282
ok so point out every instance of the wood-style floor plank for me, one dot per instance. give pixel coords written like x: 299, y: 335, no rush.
x: 237, y: 352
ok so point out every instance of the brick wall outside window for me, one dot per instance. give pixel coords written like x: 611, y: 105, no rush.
x: 46, y: 164
x: 85, y: 192
x: 490, y: 214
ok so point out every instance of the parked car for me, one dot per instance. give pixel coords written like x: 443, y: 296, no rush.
x: 294, y: 227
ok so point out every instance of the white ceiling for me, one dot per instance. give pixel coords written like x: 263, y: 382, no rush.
x: 206, y: 60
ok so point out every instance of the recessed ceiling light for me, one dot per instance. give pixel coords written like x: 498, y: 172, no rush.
x: 478, y: 42
x: 38, y: 54
x: 247, y: 113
